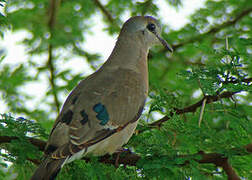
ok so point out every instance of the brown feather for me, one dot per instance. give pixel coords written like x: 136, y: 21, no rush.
x: 48, y: 169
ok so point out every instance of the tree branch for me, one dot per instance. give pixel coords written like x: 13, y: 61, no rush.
x: 230, y: 171
x: 220, y: 161
x: 214, y: 29
x: 214, y: 158
x: 248, y: 80
x: 194, y: 107
x: 131, y: 158
x: 54, y: 4
x: 40, y: 144
x: 52, y: 77
x: 104, y: 11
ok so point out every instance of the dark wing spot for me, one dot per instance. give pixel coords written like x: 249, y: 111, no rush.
x: 102, y: 113
x: 67, y: 117
x: 84, y: 116
x: 50, y: 149
x: 74, y: 99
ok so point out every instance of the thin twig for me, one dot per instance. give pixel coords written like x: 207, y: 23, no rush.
x: 211, y: 31
x: 247, y: 80
x: 226, y: 44
x: 52, y: 77
x: 104, y: 11
x: 194, y: 107
x: 54, y: 4
x: 214, y: 29
x: 202, y: 110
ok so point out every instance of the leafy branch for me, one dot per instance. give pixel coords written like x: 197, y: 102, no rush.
x: 200, y: 157
x: 34, y: 141
x: 113, y: 23
x: 174, y: 143
x: 193, y: 107
x: 131, y: 159
x: 214, y: 29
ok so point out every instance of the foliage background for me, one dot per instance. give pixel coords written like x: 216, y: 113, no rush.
x: 212, y: 57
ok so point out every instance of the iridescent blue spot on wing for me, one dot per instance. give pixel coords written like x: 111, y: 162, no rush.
x: 84, y: 116
x: 98, y: 107
x: 102, y: 113
x: 103, y: 116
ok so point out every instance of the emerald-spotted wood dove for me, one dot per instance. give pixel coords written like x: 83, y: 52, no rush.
x: 101, y: 113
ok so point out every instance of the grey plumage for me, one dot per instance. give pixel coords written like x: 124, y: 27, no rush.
x: 101, y: 113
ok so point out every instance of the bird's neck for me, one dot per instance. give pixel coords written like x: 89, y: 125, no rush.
x: 129, y: 54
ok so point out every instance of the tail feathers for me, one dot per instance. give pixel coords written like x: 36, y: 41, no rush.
x: 48, y: 169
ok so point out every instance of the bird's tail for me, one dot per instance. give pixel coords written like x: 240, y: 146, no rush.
x: 48, y: 169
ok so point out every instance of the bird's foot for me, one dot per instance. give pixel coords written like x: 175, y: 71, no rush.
x: 121, y: 150
x: 118, y: 152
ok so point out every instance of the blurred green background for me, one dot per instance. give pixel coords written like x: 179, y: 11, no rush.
x: 211, y: 61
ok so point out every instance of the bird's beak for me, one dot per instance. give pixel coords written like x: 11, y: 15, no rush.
x: 164, y: 43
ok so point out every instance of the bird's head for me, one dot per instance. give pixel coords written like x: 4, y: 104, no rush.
x: 147, y: 29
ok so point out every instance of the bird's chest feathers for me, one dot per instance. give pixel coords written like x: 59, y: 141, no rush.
x: 142, y: 67
x: 135, y: 81
x: 128, y: 96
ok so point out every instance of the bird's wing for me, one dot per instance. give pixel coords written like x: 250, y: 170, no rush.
x: 99, y: 107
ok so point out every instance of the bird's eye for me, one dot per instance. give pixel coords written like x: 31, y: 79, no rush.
x: 151, y: 27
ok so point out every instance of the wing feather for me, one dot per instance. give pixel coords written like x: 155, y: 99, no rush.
x: 120, y: 96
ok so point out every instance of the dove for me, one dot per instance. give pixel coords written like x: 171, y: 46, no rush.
x: 101, y: 113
